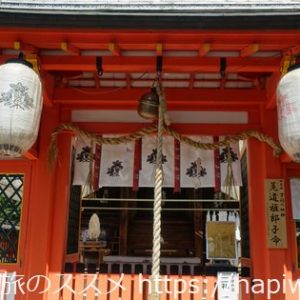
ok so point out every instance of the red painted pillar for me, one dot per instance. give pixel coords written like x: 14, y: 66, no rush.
x: 48, y: 209
x: 274, y: 169
x: 61, y: 203
x: 60, y: 214
x: 268, y: 264
x: 257, y: 213
x: 40, y: 210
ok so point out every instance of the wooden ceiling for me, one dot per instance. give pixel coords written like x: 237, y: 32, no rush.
x: 191, y: 65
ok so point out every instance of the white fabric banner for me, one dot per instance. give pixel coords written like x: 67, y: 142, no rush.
x: 295, y: 194
x: 116, y: 167
x: 147, y: 172
x: 197, y: 165
x: 228, y: 286
x: 236, y: 164
x: 82, y: 167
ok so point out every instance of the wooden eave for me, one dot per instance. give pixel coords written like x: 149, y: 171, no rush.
x: 191, y: 65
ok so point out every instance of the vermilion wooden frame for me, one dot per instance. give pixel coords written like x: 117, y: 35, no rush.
x: 23, y: 168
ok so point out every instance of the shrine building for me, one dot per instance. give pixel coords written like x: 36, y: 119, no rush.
x: 149, y: 150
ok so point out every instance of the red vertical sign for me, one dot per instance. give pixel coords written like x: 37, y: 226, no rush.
x: 217, y: 167
x: 137, y: 164
x: 96, y: 169
x: 176, y: 166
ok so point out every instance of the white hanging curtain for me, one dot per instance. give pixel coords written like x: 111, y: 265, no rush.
x: 197, y: 165
x: 116, y: 168
x: 235, y: 163
x: 147, y: 173
x: 83, y: 164
x: 295, y: 195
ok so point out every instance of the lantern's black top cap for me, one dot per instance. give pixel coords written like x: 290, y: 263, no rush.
x: 20, y: 60
x: 294, y: 67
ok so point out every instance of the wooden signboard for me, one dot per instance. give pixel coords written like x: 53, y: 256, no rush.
x: 276, y: 213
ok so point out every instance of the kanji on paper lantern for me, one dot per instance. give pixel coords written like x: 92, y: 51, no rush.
x: 20, y: 107
x: 288, y: 107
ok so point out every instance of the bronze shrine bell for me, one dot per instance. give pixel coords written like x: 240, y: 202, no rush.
x: 148, y: 106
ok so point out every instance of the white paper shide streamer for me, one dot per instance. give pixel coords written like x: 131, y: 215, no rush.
x: 147, y: 173
x: 82, y: 167
x: 20, y: 108
x: 197, y: 165
x: 234, y: 153
x: 116, y: 168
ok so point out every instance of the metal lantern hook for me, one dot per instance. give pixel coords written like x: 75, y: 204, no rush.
x: 99, y: 66
x: 223, y: 66
x: 159, y: 65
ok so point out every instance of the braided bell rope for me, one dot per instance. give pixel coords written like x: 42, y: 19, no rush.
x: 156, y: 243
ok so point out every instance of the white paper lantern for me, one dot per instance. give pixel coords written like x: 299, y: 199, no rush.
x: 288, y: 108
x: 20, y: 107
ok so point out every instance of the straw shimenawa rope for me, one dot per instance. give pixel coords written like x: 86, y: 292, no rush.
x: 233, y: 139
x: 97, y: 139
x: 228, y: 140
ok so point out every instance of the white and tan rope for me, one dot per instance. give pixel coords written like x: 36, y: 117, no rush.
x: 232, y: 139
x: 156, y: 245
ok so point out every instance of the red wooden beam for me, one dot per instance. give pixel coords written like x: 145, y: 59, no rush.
x: 178, y: 106
x: 46, y: 78
x: 31, y: 154
x: 21, y: 46
x: 114, y: 49
x: 159, y: 49
x: 249, y: 50
x: 65, y: 115
x: 191, y: 129
x: 78, y: 35
x: 192, y: 80
x: 204, y: 49
x: 171, y: 64
x: 69, y: 48
x: 293, y: 50
x: 284, y: 158
x: 48, y: 83
x: 271, y: 88
x: 175, y: 97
